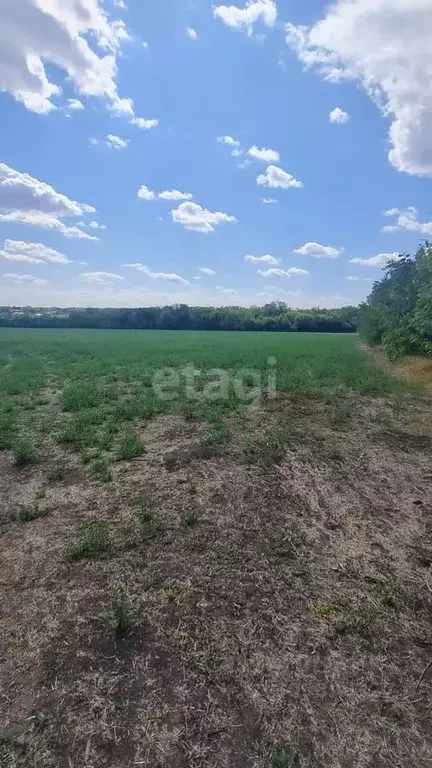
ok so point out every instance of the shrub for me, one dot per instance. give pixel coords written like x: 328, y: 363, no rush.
x: 130, y: 447
x: 24, y: 453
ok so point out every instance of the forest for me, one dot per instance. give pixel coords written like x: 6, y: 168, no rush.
x: 398, y: 313
x: 275, y: 316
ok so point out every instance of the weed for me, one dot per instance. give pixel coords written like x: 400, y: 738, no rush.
x: 120, y: 617
x: 174, y: 593
x: 101, y: 470
x: 386, y: 594
x: 341, y: 411
x: 286, y: 757
x: 24, y: 453
x: 323, y: 610
x: 148, y: 528
x: 359, y: 623
x: 93, y: 541
x: 27, y: 514
x: 130, y: 447
x: 217, y: 438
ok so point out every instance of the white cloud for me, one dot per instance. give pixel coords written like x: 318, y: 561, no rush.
x: 120, y: 4
x: 267, y: 259
x: 145, y: 125
x: 408, y: 219
x: 269, y: 200
x: 99, y: 278
x: 93, y: 142
x: 276, y: 178
x: 235, y: 145
x: 386, y: 46
x: 116, y: 142
x: 337, y: 115
x: 282, y: 272
x: 229, y: 291
x: 145, y: 193
x: 170, y: 277
x: 319, y: 251
x: 174, y: 194
x: 381, y: 260
x: 193, y: 216
x: 254, y: 10
x: 34, y: 33
x: 207, y: 271
x: 266, y: 155
x: 75, y: 105
x: 96, y: 225
x: 23, y: 279
x: 26, y: 200
x: 192, y: 33
x: 18, y: 250
x: 354, y: 278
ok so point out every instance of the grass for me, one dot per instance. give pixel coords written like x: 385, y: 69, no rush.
x: 130, y: 448
x: 24, y: 453
x: 93, y: 542
x: 286, y: 757
x: 29, y: 513
x: 120, y: 615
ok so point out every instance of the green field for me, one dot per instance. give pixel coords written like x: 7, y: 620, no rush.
x: 89, y: 389
x: 216, y: 552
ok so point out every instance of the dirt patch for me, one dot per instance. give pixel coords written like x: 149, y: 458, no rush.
x: 278, y: 604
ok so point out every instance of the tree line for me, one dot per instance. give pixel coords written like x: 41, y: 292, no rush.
x: 398, y: 312
x: 274, y: 316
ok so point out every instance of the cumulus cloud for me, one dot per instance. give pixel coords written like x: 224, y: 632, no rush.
x: 236, y: 150
x: 34, y: 33
x: 380, y: 260
x: 192, y: 33
x: 267, y: 259
x: 99, y: 278
x: 37, y: 253
x: 254, y: 10
x: 386, y: 46
x: 337, y: 115
x: 23, y: 279
x: 269, y: 200
x: 26, y: 200
x: 170, y: 277
x: 266, y: 155
x: 120, y: 4
x: 116, y: 142
x: 276, y: 178
x: 207, y: 271
x: 143, y: 123
x: 408, y: 218
x: 145, y: 193
x: 282, y: 272
x: 229, y: 291
x: 193, y: 216
x: 319, y: 251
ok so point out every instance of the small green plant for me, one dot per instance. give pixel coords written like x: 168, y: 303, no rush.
x: 130, y: 447
x: 359, y: 623
x: 286, y: 757
x: 24, y: 453
x: 121, y: 614
x: 386, y: 594
x: 93, y: 541
x: 323, y: 610
x: 148, y: 527
x: 270, y: 449
x: 174, y: 593
x: 101, y: 470
x: 27, y: 514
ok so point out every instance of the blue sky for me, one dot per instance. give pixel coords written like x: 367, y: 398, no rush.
x: 333, y: 95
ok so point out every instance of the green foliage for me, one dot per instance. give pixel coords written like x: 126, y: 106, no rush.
x: 130, y: 447
x: 101, y: 470
x: 27, y: 514
x: 24, y: 453
x: 93, y: 541
x: 398, y: 312
x: 286, y: 757
x: 275, y: 316
x: 121, y: 615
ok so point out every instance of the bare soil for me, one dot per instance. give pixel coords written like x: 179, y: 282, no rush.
x: 277, y: 607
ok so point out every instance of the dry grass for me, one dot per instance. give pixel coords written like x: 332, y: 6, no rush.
x: 281, y: 609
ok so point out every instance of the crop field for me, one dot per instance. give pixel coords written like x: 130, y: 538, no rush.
x: 216, y: 552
